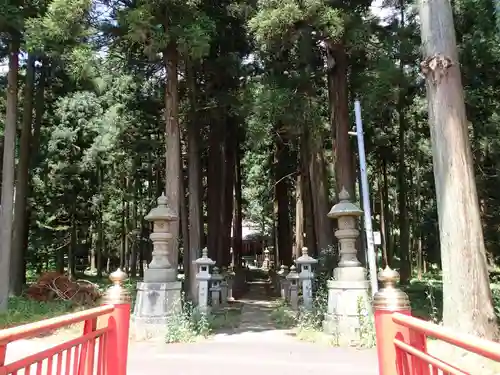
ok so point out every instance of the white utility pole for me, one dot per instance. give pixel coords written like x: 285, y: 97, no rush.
x: 370, y: 248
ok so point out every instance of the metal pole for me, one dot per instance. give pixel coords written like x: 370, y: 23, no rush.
x: 372, y: 262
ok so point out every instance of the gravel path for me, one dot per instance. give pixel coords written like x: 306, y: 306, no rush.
x: 255, y: 347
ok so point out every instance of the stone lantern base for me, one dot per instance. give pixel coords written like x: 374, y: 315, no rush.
x: 348, y: 301
x: 154, y: 303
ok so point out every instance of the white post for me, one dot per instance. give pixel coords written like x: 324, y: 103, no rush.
x: 372, y: 262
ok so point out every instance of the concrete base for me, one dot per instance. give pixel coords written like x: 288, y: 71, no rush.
x: 348, y: 299
x: 160, y: 275
x: 154, y: 303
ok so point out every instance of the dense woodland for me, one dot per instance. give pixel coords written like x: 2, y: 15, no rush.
x: 253, y: 102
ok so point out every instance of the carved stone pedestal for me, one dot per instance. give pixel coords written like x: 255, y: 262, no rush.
x: 348, y: 294
x: 159, y: 295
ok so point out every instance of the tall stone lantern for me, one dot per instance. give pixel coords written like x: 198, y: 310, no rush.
x: 348, y: 296
x: 160, y: 293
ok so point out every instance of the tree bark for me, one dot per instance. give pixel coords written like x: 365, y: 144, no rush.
x: 7, y: 196
x: 194, y: 186
x: 282, y: 194
x: 172, y: 136
x: 299, y: 215
x: 467, y: 305
x: 317, y: 173
x: 339, y: 119
x: 18, y: 251
x: 238, y: 207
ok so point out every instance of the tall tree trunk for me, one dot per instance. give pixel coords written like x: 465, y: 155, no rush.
x: 282, y: 194
x: 100, y: 220
x: 7, y: 196
x: 195, y: 189
x: 214, y: 188
x: 317, y: 173
x: 238, y: 207
x: 72, y: 244
x: 172, y: 136
x: 18, y: 251
x: 339, y: 119
x: 310, y: 240
x: 228, y: 198
x: 299, y: 215
x: 382, y: 223
x: 404, y: 239
x: 467, y: 306
x: 387, y: 217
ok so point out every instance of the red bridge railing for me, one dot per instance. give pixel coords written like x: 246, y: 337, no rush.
x: 402, y: 339
x: 100, y: 350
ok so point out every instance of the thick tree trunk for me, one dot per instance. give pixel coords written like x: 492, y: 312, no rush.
x: 214, y: 189
x: 194, y: 187
x: 282, y: 193
x: 299, y: 215
x: 18, y: 251
x: 467, y: 305
x: 172, y: 135
x: 238, y: 208
x: 404, y: 235
x: 339, y: 119
x: 310, y: 240
x: 387, y: 218
x: 317, y: 173
x: 228, y: 198
x: 7, y: 199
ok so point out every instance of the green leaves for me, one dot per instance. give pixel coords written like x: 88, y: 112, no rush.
x: 279, y: 21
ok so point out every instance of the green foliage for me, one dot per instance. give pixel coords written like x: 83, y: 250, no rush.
x: 189, y: 324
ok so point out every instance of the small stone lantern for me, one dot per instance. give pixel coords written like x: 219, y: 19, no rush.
x: 265, y: 263
x: 348, y: 291
x: 230, y: 282
x: 283, y: 272
x: 293, y: 279
x: 223, y: 286
x: 203, y: 277
x: 306, y: 275
x: 216, y: 287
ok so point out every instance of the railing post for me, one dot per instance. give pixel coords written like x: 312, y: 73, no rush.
x: 387, y: 301
x: 119, y: 321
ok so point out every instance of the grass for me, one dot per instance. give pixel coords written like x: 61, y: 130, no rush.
x: 23, y: 310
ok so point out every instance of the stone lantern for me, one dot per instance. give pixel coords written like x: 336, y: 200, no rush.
x: 283, y: 272
x: 293, y: 279
x: 160, y: 293
x: 306, y: 276
x: 348, y: 295
x: 265, y: 262
x: 203, y: 277
x: 216, y: 287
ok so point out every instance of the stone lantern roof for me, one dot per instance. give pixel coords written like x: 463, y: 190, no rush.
x: 305, y: 258
x: 344, y: 207
x: 204, y: 260
x: 162, y: 211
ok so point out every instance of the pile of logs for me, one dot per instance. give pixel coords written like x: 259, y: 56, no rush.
x: 52, y: 286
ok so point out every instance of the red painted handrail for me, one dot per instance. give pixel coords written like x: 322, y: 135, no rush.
x: 470, y: 343
x: 76, y: 356
x: 34, y: 329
